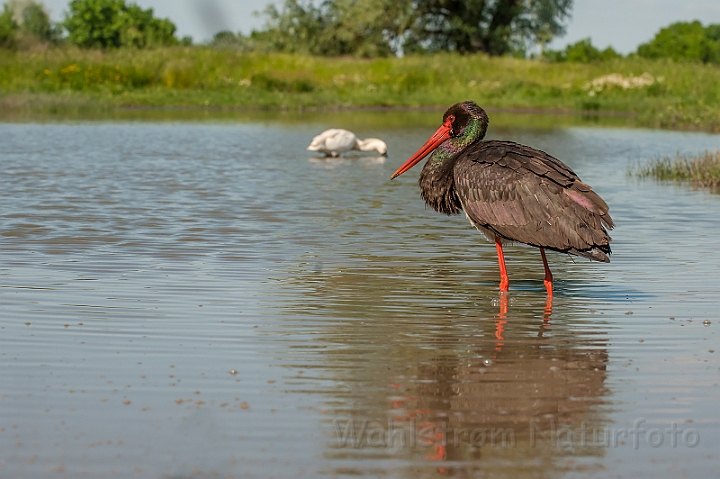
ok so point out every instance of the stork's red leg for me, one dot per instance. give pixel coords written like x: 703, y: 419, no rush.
x: 501, y: 320
x: 504, y: 280
x: 548, y: 274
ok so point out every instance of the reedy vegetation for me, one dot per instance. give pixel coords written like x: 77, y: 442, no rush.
x: 702, y: 170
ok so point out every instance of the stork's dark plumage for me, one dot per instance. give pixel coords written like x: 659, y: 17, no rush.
x: 510, y: 192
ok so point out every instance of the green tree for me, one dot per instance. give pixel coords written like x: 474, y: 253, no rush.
x: 495, y: 27
x: 114, y: 23
x: 684, y: 41
x: 363, y: 28
x: 383, y: 27
x: 8, y: 28
x: 294, y: 28
x: 713, y: 32
x: 333, y: 27
x: 36, y: 21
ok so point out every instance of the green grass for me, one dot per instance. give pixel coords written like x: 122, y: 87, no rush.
x: 702, y: 170
x: 680, y: 95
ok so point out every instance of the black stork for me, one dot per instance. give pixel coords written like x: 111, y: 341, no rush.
x: 510, y: 192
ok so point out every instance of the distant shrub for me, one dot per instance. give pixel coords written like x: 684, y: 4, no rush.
x: 239, y: 42
x: 225, y: 37
x: 228, y: 39
x: 584, y: 52
x: 114, y: 23
x: 581, y: 52
x: 684, y: 41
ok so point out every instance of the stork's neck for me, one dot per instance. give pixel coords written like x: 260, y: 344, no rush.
x: 437, y: 180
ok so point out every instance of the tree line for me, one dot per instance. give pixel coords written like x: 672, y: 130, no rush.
x: 87, y: 24
x: 681, y: 41
x: 362, y: 28
x: 370, y: 28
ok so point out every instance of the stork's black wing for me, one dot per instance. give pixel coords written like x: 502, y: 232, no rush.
x: 525, y: 195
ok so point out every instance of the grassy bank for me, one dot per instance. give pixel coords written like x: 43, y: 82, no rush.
x: 660, y: 93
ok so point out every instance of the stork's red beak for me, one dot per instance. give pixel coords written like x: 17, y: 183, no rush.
x: 442, y: 134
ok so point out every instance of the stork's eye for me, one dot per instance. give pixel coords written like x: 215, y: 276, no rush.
x: 450, y: 122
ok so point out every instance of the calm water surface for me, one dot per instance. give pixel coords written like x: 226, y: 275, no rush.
x: 205, y: 299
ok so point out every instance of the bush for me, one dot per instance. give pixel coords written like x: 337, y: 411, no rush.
x: 584, y: 52
x: 227, y: 39
x: 581, y: 52
x: 685, y: 41
x: 113, y: 24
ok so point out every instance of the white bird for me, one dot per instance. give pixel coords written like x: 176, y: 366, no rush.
x: 335, y: 142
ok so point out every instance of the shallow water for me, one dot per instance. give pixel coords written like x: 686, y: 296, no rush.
x: 205, y: 299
